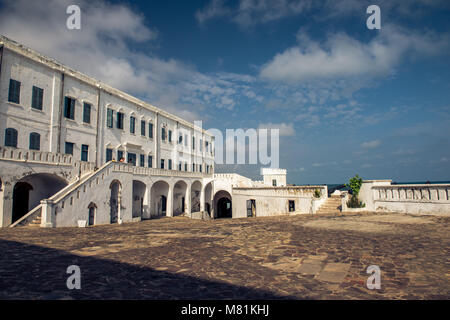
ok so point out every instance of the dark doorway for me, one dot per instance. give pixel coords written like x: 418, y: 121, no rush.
x: 182, y: 205
x: 208, y: 208
x: 21, y: 196
x: 91, y: 216
x: 251, y: 208
x: 163, y: 205
x: 114, y: 201
x: 224, y: 208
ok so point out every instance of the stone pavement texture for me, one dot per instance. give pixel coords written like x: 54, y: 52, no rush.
x: 284, y: 257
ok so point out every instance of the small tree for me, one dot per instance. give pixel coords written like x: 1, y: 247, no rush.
x: 355, y: 185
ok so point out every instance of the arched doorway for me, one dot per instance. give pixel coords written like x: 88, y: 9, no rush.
x: 159, y: 193
x: 196, y: 190
x: 208, y: 198
x: 139, y: 189
x: 223, y: 205
x: 21, y: 196
x: 30, y: 190
x: 114, y: 201
x: 179, y: 198
x: 91, y: 218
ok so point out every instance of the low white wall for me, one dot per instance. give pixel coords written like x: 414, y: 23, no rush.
x: 380, y: 195
x: 272, y: 201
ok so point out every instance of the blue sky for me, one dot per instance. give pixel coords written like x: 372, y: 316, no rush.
x: 346, y: 99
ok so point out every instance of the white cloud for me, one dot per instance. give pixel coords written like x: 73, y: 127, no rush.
x: 286, y: 129
x: 343, y: 57
x: 371, y: 144
x: 251, y: 12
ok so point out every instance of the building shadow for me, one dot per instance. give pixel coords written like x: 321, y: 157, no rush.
x: 35, y: 272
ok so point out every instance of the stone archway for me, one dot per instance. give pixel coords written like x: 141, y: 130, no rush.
x: 196, y: 190
x: 139, y: 199
x: 159, y: 197
x: 30, y: 190
x: 208, y: 198
x: 115, y: 201
x: 180, y: 200
x: 223, y: 204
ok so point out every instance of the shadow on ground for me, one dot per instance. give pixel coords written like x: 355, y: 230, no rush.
x: 34, y: 272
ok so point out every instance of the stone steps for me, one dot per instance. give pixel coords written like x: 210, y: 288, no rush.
x: 36, y: 222
x: 332, y: 205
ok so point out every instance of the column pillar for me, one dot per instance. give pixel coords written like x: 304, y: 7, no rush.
x: 47, y: 213
x: 202, y: 199
x: 169, y: 204
x: 187, y: 200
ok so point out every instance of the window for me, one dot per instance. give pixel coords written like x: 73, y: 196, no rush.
x: 37, y: 98
x: 109, y: 155
x: 150, y: 130
x: 132, y: 158
x: 120, y: 117
x: 86, y: 113
x: 109, y: 118
x: 132, y: 124
x: 35, y: 141
x: 69, y: 108
x: 291, y: 205
x: 185, y: 167
x: 206, y: 147
x: 11, y: 137
x: 179, y: 166
x: 119, y: 155
x: 193, y: 167
x: 150, y: 161
x: 180, y: 139
x: 200, y: 167
x: 162, y: 163
x: 84, y: 152
x: 170, y: 164
x: 14, y: 91
x: 170, y: 135
x: 69, y: 148
x: 274, y: 182
x: 163, y: 134
x: 142, y: 128
x: 193, y: 143
x: 142, y: 160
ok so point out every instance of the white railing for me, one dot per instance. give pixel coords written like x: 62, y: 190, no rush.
x: 129, y: 168
x: 23, y: 155
x: 413, y: 193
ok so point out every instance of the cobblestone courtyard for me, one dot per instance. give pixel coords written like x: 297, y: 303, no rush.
x: 295, y: 257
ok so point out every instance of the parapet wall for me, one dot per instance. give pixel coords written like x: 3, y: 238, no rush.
x: 381, y: 195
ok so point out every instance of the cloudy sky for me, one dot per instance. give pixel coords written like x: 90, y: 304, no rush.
x: 346, y: 99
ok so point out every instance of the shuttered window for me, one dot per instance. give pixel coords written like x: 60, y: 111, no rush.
x: 109, y: 118
x: 86, y: 113
x: 11, y: 137
x: 142, y: 128
x: 69, y: 108
x: 69, y: 148
x: 120, y: 117
x: 132, y: 124
x: 150, y: 130
x: 142, y: 160
x: 37, y: 98
x: 109, y: 155
x: 84, y: 152
x: 35, y: 141
x: 150, y: 161
x: 14, y: 91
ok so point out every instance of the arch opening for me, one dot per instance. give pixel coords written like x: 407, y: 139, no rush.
x: 179, y: 198
x: 30, y: 190
x: 223, y: 205
x: 114, y: 201
x: 139, y: 199
x: 159, y: 194
x: 196, y: 190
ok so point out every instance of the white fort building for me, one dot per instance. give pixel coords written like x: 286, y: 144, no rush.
x: 75, y: 151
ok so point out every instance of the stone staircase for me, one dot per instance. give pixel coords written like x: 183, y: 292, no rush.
x: 36, y: 222
x: 332, y: 205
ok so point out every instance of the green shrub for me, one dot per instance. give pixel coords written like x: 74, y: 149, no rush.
x: 317, y: 193
x: 355, y: 185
